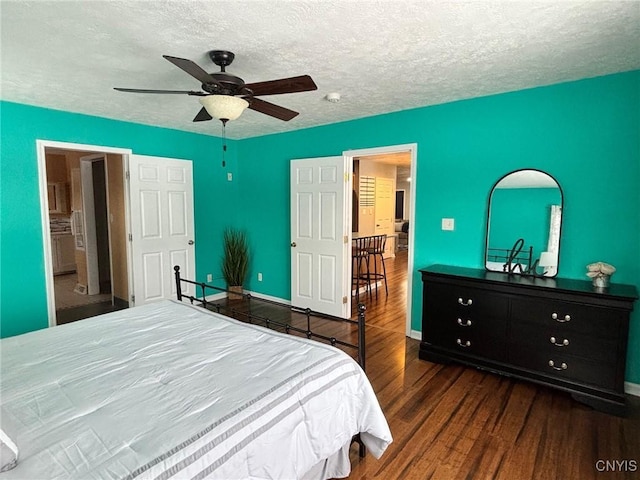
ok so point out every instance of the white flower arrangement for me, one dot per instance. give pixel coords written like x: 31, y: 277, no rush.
x: 600, y: 269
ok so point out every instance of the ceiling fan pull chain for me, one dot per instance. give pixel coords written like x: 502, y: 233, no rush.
x: 224, y: 141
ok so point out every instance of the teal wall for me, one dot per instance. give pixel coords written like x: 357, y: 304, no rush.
x: 585, y: 134
x: 22, y: 283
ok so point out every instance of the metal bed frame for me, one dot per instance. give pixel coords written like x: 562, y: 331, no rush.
x: 252, y: 318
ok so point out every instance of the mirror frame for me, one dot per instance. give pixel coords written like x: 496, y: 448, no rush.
x: 488, y: 222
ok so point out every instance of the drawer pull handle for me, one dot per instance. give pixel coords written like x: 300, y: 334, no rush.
x: 563, y: 366
x: 464, y: 324
x: 463, y: 344
x: 564, y: 342
x: 567, y: 318
x: 463, y: 303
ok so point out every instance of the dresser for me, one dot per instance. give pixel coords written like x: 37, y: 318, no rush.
x: 553, y: 331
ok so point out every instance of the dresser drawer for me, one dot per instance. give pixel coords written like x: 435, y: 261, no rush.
x: 464, y: 302
x: 468, y: 341
x: 465, y: 319
x: 555, y: 339
x: 563, y: 366
x: 568, y: 316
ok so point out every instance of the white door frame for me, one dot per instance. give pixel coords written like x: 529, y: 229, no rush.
x: 44, y: 209
x: 412, y: 148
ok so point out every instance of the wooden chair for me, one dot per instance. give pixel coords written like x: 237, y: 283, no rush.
x: 359, y: 263
x: 375, y: 248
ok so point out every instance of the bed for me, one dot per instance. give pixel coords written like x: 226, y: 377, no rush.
x: 171, y: 390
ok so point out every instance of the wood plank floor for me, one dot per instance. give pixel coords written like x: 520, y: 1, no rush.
x: 454, y: 422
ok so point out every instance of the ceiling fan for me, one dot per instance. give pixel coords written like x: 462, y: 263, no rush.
x: 225, y: 96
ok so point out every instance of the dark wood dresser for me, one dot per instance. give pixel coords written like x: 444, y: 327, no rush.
x: 557, y: 332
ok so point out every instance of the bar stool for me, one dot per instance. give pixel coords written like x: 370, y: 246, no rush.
x: 359, y: 257
x: 375, y: 247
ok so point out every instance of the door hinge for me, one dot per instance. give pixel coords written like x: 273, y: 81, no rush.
x: 346, y: 177
x: 345, y: 239
x: 126, y: 174
x: 133, y: 299
x: 131, y: 237
x: 344, y: 300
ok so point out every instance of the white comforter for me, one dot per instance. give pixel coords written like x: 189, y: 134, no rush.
x: 168, y: 390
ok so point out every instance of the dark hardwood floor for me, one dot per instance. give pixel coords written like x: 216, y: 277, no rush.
x: 454, y: 422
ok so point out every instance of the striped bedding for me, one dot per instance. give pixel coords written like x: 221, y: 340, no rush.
x: 172, y: 391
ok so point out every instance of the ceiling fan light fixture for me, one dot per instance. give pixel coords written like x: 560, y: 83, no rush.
x: 224, y: 107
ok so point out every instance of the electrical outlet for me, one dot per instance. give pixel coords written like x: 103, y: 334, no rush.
x: 259, y: 277
x: 448, y: 223
x: 209, y: 277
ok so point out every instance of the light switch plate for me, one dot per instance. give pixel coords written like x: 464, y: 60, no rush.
x: 448, y: 223
x: 229, y: 176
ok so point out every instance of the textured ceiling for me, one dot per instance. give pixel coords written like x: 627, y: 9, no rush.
x: 382, y: 56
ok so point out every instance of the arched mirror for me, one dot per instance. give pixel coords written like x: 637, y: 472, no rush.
x: 524, y: 223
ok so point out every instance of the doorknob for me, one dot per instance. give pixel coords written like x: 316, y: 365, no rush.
x: 191, y: 242
x: 293, y: 244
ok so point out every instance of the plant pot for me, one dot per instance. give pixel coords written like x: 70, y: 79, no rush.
x: 235, y: 292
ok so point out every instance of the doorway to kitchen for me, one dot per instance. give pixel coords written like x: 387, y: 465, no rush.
x: 393, y: 168
x: 87, y: 233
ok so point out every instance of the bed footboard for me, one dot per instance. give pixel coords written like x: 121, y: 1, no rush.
x: 244, y: 310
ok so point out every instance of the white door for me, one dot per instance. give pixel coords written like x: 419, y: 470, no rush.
x: 320, y: 259
x: 161, y: 193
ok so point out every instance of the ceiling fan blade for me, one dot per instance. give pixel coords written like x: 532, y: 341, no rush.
x: 192, y: 69
x: 202, y: 116
x: 303, y: 83
x: 271, y: 109
x: 183, y: 92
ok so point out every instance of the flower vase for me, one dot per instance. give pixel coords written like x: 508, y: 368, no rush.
x: 601, y: 282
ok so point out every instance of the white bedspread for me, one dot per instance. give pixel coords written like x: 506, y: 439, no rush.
x: 168, y: 390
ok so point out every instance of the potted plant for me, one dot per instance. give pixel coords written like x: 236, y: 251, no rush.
x: 235, y: 261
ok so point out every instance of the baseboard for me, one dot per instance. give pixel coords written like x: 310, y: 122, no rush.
x: 222, y: 295
x: 269, y: 297
x: 632, y: 388
x: 216, y: 296
x: 416, y: 335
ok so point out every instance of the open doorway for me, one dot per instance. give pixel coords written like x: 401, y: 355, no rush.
x: 393, y: 168
x: 87, y: 232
